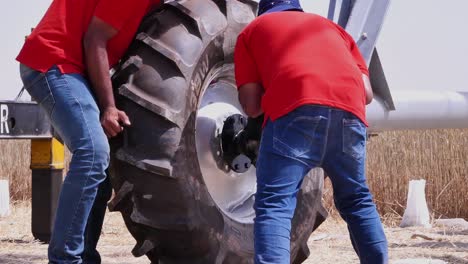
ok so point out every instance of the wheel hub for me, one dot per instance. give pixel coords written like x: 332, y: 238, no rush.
x: 231, y: 182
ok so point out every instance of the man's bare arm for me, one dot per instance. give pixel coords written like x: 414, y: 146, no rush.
x: 368, y: 89
x: 95, y: 47
x: 250, y: 97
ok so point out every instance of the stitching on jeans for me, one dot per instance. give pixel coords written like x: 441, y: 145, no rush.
x: 34, y: 81
x: 324, y: 151
x: 345, y: 148
x: 50, y: 95
x: 29, y: 72
x: 316, y: 121
x: 66, y: 240
x: 351, y: 122
x: 286, y: 154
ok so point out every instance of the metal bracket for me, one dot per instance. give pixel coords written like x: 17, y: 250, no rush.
x: 26, y: 120
x: 363, y: 20
x: 23, y: 120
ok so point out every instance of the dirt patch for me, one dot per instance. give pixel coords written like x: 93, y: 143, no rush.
x: 17, y: 245
x: 329, y: 244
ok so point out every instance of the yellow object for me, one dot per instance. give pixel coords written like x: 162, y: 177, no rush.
x: 47, y: 154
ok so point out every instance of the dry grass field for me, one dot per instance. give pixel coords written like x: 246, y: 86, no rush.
x: 14, y: 167
x: 394, y: 158
x: 438, y: 156
x: 328, y: 244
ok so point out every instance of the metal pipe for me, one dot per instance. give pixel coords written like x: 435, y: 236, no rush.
x: 331, y: 10
x: 420, y: 110
x: 345, y: 12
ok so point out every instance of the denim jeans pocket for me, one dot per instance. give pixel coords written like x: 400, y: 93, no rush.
x: 41, y: 93
x: 354, y: 138
x: 295, y: 138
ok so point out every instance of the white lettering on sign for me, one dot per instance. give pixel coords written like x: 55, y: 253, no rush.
x: 4, y: 119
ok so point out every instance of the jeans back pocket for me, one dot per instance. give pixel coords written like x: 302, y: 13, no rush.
x: 354, y: 138
x: 38, y: 87
x: 295, y: 138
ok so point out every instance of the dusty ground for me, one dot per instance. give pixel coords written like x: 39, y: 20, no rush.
x: 329, y: 244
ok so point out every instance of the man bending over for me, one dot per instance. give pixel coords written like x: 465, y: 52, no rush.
x: 307, y: 76
x: 65, y: 66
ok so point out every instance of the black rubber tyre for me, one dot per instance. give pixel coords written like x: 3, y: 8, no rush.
x: 155, y: 173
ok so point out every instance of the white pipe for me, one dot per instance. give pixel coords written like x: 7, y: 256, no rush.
x: 4, y: 198
x: 420, y: 110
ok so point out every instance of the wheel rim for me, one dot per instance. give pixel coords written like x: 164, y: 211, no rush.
x: 232, y: 192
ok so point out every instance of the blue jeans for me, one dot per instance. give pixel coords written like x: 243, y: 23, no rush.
x: 74, y: 114
x: 308, y: 137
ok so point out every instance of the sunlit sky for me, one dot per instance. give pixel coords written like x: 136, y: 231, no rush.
x: 423, y: 44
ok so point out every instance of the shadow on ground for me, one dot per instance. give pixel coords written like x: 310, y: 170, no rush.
x: 16, y: 241
x: 452, y: 259
x: 454, y: 232
x: 20, y: 258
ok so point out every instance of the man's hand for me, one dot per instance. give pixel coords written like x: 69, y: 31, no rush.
x: 113, y: 120
x: 95, y: 49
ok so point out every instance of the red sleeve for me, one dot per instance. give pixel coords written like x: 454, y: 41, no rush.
x: 245, y: 67
x: 361, y: 63
x: 117, y: 13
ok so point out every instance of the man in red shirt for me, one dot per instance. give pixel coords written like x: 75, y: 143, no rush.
x: 64, y: 65
x: 307, y: 76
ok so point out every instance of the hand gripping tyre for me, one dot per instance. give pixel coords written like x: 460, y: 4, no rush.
x: 178, y: 197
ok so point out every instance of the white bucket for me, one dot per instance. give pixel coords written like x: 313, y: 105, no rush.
x: 4, y: 198
x: 416, y: 212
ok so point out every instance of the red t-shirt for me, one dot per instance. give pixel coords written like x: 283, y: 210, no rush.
x: 58, y: 38
x: 301, y: 58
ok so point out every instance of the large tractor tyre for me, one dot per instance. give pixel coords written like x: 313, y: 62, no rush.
x: 178, y: 198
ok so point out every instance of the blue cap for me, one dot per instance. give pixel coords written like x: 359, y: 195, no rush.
x: 269, y: 6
